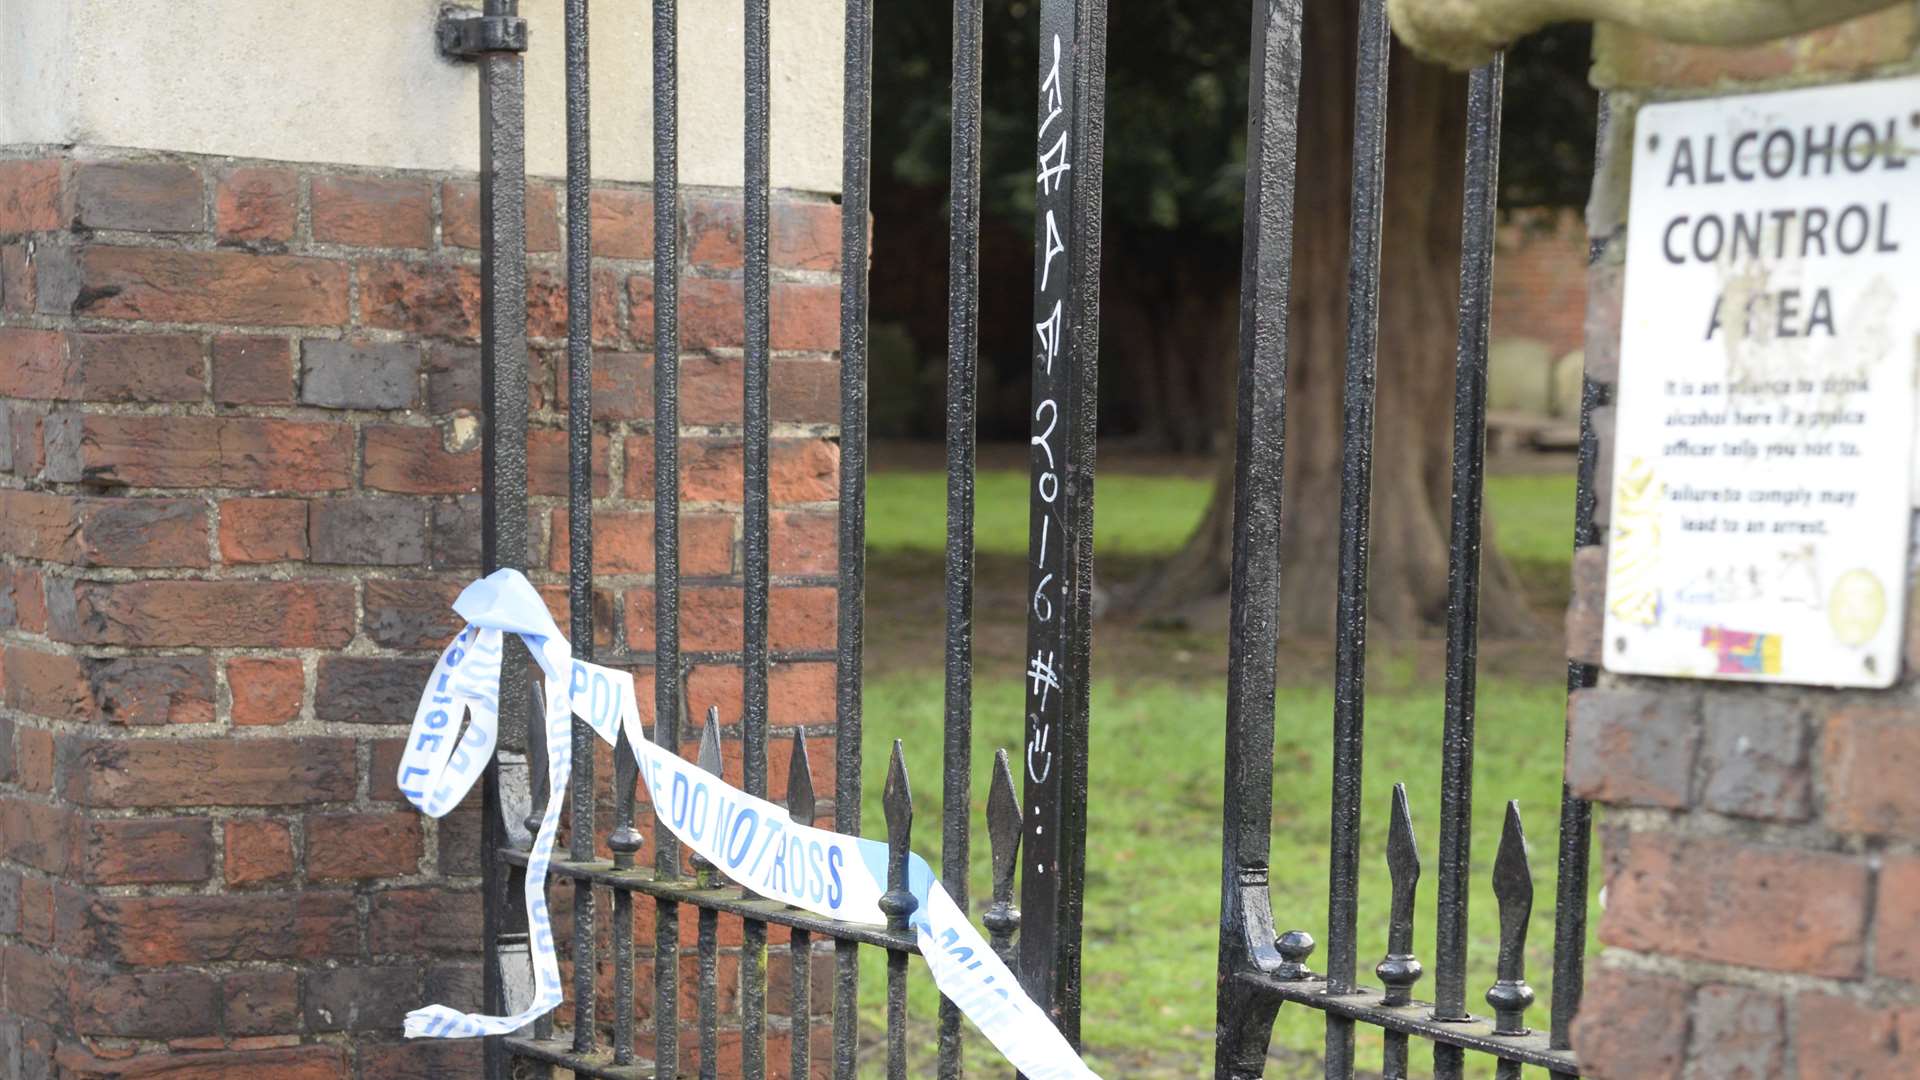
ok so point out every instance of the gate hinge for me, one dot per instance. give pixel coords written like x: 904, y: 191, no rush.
x: 465, y: 34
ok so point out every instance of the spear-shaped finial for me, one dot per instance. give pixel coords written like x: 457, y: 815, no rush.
x: 1513, y: 889
x: 801, y: 806
x: 1401, y: 969
x: 710, y: 761
x: 897, y: 902
x: 1003, y: 836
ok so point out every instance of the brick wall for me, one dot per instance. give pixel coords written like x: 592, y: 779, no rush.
x: 1761, y: 845
x: 239, y: 452
x: 1540, y: 278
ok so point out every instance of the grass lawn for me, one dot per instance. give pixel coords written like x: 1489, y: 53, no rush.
x: 1151, y: 514
x: 1154, y: 846
x: 1156, y: 764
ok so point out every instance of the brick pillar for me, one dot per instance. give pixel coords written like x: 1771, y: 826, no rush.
x: 239, y: 451
x: 1762, y: 905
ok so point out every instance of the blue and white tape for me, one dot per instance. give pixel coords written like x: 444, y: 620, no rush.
x: 752, y: 841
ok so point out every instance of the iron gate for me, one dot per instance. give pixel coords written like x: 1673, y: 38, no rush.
x: 1259, y: 969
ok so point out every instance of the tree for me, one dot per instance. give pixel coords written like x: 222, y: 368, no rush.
x: 1176, y: 133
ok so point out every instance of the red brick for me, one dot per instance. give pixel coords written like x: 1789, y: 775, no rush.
x: 797, y: 694
x: 266, y: 690
x: 212, y: 614
x: 460, y: 217
x: 37, y: 911
x: 311, y: 1062
x: 261, y: 1000
x: 156, y: 931
x: 259, y: 851
x: 133, y: 690
x: 798, y: 619
x: 1632, y: 1025
x: 28, y: 450
x: 33, y: 984
x: 263, y: 530
x: 33, y: 757
x: 1632, y: 58
x: 1738, y: 1032
x: 1871, y: 756
x: 135, y: 367
x: 1631, y: 747
x: 712, y: 313
x: 622, y: 387
x: 144, y: 851
x: 547, y: 462
x: 802, y: 391
x: 421, y: 1059
x: 124, y: 773
x: 199, y: 451
x: 429, y: 299
x: 17, y: 280
x: 151, y: 1005
x: 622, y: 224
x: 254, y: 205
x: 804, y: 235
x: 623, y: 543
x: 1842, y: 1039
x: 169, y: 285
x: 603, y: 618
x: 416, y: 461
x: 408, y: 922
x: 547, y: 307
x: 806, y: 316
x: 252, y: 370
x: 23, y: 599
x: 1710, y: 898
x: 37, y: 835
x: 411, y: 614
x: 711, y: 469
x: 33, y: 363
x: 84, y: 531
x: 346, y: 846
x: 804, y: 542
x: 29, y: 196
x: 371, y: 211
x: 1896, y: 919
x: 144, y: 196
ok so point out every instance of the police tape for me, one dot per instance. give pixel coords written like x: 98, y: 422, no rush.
x: 750, y: 840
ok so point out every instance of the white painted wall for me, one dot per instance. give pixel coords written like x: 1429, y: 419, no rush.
x: 359, y: 82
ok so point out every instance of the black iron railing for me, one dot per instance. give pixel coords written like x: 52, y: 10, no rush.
x: 1259, y: 968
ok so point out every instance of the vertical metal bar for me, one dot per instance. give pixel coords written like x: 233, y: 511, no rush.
x: 753, y: 721
x: 802, y: 808
x: 666, y: 510
x: 708, y: 940
x: 963, y: 316
x: 580, y: 502
x: 1576, y: 814
x: 1463, y: 555
x: 1068, y: 157
x: 708, y: 946
x: 503, y: 457
x: 1244, y: 1018
x: 1513, y: 891
x: 1399, y: 969
x: 897, y: 903
x: 856, y: 169
x: 1356, y: 495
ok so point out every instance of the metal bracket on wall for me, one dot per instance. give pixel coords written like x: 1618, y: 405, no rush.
x: 464, y: 34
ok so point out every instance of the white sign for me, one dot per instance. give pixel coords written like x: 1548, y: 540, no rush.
x: 1764, y: 461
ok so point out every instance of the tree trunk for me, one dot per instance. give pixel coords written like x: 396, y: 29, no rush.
x: 1419, y: 287
x: 1169, y: 309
